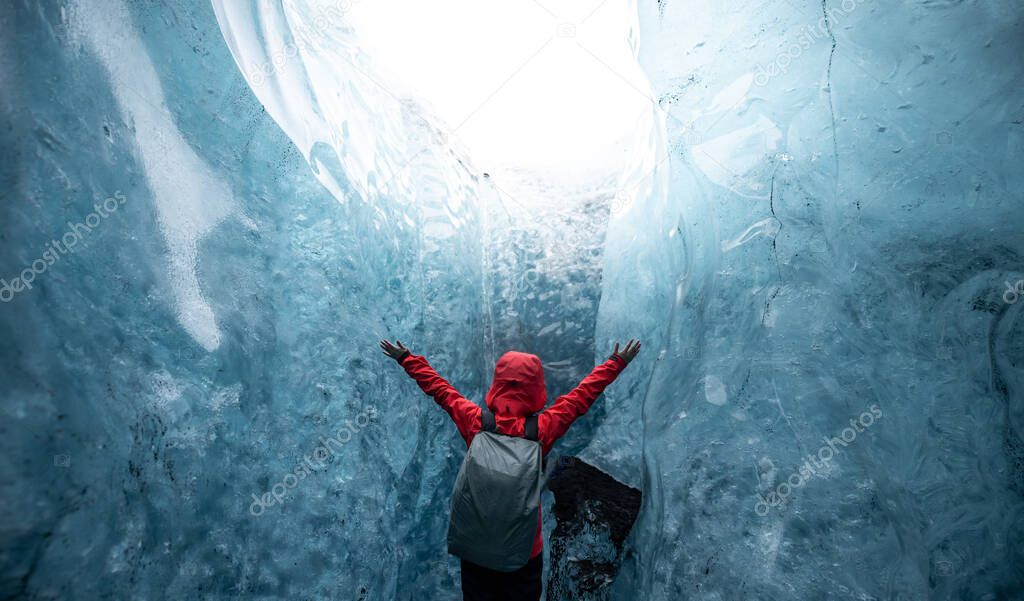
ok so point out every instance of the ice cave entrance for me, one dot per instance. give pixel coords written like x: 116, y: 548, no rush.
x: 550, y: 89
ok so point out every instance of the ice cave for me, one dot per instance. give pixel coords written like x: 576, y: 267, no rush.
x: 810, y: 212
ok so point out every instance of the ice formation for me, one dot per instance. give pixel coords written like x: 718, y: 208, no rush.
x: 212, y: 211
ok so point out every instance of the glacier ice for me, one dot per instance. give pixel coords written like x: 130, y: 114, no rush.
x: 818, y: 240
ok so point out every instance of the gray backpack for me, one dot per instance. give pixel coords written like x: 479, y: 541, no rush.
x: 496, y: 499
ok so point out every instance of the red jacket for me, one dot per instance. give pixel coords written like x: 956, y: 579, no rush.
x: 516, y: 392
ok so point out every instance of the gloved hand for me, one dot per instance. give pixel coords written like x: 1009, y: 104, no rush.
x: 627, y: 354
x: 395, y: 352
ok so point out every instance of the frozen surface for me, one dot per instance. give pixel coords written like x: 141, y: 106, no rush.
x: 819, y: 228
x: 832, y: 237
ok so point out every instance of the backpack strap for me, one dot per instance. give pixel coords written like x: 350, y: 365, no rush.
x: 487, y: 423
x: 530, y: 429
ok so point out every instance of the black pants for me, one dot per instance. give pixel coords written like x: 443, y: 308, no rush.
x: 483, y: 584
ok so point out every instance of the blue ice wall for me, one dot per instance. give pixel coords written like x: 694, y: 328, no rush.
x: 836, y: 408
x: 220, y: 209
x: 194, y: 347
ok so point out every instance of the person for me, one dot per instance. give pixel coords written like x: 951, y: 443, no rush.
x: 517, y: 392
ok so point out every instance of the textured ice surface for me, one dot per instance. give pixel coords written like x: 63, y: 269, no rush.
x: 821, y: 229
x: 834, y: 233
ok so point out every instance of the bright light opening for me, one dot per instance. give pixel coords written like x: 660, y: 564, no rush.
x: 544, y: 86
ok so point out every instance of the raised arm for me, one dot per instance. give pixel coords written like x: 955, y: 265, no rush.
x: 554, y: 422
x: 465, y: 413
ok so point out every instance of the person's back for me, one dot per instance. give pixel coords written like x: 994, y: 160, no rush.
x: 517, y: 393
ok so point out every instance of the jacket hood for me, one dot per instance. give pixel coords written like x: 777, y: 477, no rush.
x: 518, y: 386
